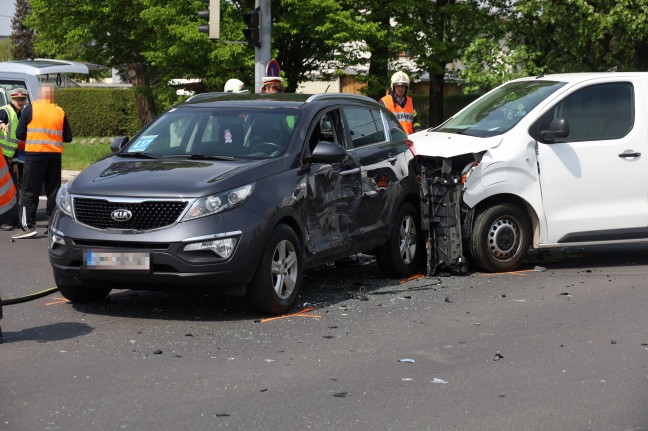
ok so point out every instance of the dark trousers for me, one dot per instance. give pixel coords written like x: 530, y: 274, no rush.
x: 39, y: 173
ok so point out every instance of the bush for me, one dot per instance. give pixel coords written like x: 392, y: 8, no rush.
x: 100, y: 111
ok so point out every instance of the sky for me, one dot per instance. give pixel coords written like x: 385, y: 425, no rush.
x: 7, y: 8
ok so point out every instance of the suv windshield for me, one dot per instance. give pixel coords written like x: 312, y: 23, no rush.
x: 216, y: 132
x: 502, y: 109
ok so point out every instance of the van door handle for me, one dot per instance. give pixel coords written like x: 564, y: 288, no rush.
x: 629, y: 155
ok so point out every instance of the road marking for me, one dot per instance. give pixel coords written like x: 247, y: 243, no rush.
x: 297, y: 314
x: 509, y: 272
x: 414, y: 277
x: 57, y: 301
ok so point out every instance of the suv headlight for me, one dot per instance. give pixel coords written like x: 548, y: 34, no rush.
x: 64, y: 200
x: 218, y: 203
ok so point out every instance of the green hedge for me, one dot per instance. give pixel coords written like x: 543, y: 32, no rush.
x: 100, y: 111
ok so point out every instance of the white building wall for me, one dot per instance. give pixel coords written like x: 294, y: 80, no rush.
x: 314, y: 87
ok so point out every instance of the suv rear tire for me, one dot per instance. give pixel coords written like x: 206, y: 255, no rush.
x: 401, y: 255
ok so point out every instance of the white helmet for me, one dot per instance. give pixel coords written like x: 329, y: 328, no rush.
x: 235, y: 86
x: 400, y: 78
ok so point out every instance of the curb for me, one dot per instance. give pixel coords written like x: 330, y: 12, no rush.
x: 67, y: 176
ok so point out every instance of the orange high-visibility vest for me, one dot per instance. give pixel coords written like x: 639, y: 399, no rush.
x: 7, y: 189
x: 405, y: 115
x: 45, y: 130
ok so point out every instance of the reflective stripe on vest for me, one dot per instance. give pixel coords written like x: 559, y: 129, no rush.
x: 405, y: 116
x: 9, y: 142
x: 45, y: 130
x: 7, y: 190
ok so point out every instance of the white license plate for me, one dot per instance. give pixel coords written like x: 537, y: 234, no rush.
x: 112, y: 260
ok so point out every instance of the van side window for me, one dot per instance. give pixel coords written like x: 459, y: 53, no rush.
x: 366, y: 126
x: 594, y: 113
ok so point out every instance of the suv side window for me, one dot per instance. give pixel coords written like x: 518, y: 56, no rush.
x: 395, y: 129
x: 366, y: 126
x: 325, y: 129
x: 594, y: 113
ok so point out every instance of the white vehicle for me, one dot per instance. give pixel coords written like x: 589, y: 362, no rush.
x: 548, y: 161
x: 30, y: 73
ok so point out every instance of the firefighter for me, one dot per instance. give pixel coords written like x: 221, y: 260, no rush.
x: 235, y: 86
x: 401, y: 104
x: 13, y: 149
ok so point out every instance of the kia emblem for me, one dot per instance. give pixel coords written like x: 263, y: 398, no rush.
x: 121, y: 215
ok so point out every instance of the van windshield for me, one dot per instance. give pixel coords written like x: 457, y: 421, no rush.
x: 500, y: 110
x: 216, y: 133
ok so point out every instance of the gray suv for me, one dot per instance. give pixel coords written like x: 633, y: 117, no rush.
x: 241, y: 193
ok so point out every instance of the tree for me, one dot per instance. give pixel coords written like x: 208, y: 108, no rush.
x: 528, y: 37
x: 5, y: 49
x: 437, y: 33
x: 22, y: 35
x: 310, y: 34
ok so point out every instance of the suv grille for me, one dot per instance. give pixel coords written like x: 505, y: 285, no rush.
x: 145, y: 215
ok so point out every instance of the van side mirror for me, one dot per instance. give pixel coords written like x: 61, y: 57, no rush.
x: 118, y: 143
x: 558, y: 129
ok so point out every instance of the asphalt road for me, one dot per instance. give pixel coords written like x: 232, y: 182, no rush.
x: 561, y: 344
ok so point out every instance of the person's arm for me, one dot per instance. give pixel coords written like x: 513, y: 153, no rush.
x: 415, y: 122
x: 67, y: 130
x: 25, y: 119
x: 4, y: 120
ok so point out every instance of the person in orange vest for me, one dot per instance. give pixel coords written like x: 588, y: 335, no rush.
x: 13, y: 150
x: 44, y: 127
x: 401, y: 104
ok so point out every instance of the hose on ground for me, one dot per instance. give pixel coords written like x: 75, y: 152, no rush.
x: 30, y: 297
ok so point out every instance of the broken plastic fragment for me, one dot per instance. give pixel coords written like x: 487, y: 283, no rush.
x: 407, y: 360
x: 439, y: 381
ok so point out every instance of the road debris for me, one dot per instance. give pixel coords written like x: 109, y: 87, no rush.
x: 407, y: 361
x: 498, y: 356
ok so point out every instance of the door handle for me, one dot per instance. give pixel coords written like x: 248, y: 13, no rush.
x: 629, y: 155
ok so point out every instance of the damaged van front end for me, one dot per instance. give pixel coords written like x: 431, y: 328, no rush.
x: 479, y: 180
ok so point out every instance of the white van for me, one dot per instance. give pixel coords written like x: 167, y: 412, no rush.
x: 548, y: 161
x: 31, y: 72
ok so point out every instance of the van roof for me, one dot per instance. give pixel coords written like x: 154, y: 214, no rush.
x: 44, y: 66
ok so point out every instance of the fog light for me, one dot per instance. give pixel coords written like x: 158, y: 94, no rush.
x: 222, y: 247
x: 55, y: 239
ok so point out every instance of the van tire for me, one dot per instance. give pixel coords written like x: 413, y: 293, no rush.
x: 500, y: 238
x: 401, y: 255
x: 278, y: 277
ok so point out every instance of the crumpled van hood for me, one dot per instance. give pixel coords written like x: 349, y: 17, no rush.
x: 438, y: 144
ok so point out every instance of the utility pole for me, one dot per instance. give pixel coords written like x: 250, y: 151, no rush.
x: 262, y: 53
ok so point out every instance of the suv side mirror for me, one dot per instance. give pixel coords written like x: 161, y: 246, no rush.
x: 118, y: 143
x: 327, y: 152
x: 559, y: 128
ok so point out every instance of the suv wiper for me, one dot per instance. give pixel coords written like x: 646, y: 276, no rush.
x: 139, y: 154
x: 201, y: 156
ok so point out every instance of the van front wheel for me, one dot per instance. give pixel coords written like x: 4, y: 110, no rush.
x: 500, y: 238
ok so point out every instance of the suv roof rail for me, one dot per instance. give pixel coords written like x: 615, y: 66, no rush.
x: 207, y: 95
x: 324, y: 96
